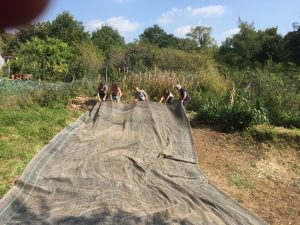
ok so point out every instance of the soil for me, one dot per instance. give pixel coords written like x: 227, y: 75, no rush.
x: 263, y: 177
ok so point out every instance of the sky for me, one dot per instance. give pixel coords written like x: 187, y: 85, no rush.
x: 131, y: 17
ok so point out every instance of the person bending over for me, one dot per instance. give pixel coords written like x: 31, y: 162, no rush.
x: 116, y: 93
x: 140, y: 95
x: 167, y: 97
x: 102, y: 91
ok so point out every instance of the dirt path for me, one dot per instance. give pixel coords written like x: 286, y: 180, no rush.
x: 259, y: 176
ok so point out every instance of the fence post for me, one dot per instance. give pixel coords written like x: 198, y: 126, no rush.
x: 39, y: 85
x: 140, y: 79
x: 106, y: 74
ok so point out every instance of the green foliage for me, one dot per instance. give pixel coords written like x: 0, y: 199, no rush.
x: 10, y: 43
x: 252, y: 48
x: 141, y: 57
x: 260, y: 63
x: 215, y: 110
x: 67, y: 29
x: 274, y: 87
x: 107, y: 38
x: 270, y: 133
x: 39, y: 30
x: 176, y: 60
x: 64, y: 27
x: 24, y: 95
x: 157, y: 36
x: 87, y: 61
x: 292, y: 45
x: 202, y: 36
x: 46, y: 60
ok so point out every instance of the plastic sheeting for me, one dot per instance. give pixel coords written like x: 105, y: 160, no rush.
x: 121, y: 164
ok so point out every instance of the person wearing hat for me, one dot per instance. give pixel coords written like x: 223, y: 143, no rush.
x: 167, y: 97
x: 183, y: 94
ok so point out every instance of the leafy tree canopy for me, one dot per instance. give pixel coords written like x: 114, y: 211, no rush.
x: 67, y: 29
x: 107, y: 38
x: 157, y: 36
x: 45, y: 59
x: 202, y: 36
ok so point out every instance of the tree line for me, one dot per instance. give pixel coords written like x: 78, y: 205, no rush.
x: 262, y: 65
x: 62, y: 50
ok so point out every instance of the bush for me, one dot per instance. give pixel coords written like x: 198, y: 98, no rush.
x: 217, y: 111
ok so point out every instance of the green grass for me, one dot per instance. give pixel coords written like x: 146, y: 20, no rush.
x: 262, y: 133
x: 23, y: 132
x: 240, y: 180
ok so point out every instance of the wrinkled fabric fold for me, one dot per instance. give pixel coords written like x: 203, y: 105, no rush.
x: 121, y: 164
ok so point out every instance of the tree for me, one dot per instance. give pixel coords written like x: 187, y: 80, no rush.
x: 107, y: 38
x: 271, y: 45
x: 186, y: 44
x: 87, y: 62
x: 243, y: 48
x: 202, y: 36
x: 292, y: 45
x: 67, y: 29
x: 40, y: 30
x: 157, y: 36
x: 10, y: 43
x: 47, y: 60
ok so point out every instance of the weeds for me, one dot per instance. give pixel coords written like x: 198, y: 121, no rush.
x: 262, y: 133
x: 241, y: 181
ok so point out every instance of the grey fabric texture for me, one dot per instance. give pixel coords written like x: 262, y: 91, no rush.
x: 121, y: 164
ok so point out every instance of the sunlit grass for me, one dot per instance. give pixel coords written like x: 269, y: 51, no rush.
x: 23, y: 132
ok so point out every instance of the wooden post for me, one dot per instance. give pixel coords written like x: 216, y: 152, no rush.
x: 106, y: 74
x: 8, y: 63
x: 140, y: 79
x: 39, y: 85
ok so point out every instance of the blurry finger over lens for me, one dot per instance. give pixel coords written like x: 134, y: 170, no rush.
x: 19, y: 12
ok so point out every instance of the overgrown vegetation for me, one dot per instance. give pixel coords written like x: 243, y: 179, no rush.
x: 252, y: 78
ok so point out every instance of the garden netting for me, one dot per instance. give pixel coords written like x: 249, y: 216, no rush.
x: 121, y: 164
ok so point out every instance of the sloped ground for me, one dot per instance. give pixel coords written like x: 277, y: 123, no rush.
x: 263, y: 177
x: 121, y: 164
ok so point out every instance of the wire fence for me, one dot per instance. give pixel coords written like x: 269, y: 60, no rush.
x: 17, y: 85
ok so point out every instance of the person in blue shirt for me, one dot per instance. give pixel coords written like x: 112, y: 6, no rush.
x: 183, y: 94
x: 140, y: 95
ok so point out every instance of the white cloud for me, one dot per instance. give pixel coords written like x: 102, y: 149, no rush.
x: 168, y: 17
x: 122, y: 24
x: 231, y: 32
x: 182, y: 31
x: 212, y: 10
x: 175, y: 13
